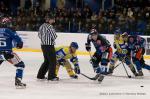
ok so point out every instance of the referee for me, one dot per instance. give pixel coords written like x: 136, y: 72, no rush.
x: 48, y: 36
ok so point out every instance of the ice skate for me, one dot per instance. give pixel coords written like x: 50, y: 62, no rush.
x: 74, y: 76
x: 19, y: 84
x: 100, y: 78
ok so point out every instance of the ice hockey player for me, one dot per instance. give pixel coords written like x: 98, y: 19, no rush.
x: 102, y: 55
x: 141, y: 42
x: 63, y: 55
x: 121, y: 53
x: 8, y: 40
x: 136, y: 45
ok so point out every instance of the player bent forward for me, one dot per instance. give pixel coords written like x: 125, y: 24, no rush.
x: 136, y: 45
x: 102, y: 56
x: 121, y: 53
x: 64, y: 53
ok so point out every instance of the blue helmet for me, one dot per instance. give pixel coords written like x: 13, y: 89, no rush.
x: 74, y: 44
x: 117, y: 31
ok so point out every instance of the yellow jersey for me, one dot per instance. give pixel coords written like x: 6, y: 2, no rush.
x: 63, y: 52
x: 120, y: 44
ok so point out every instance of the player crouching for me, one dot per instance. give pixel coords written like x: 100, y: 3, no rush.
x: 121, y: 53
x: 64, y: 53
x: 136, y: 45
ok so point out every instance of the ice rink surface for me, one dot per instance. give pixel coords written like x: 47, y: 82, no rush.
x: 67, y: 88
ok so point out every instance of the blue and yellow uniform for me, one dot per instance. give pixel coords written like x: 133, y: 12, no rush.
x: 63, y: 55
x: 136, y: 45
x: 121, y: 53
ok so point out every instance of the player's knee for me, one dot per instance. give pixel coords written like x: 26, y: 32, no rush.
x: 8, y: 56
x: 127, y: 61
x: 20, y: 64
x: 104, y: 62
x: 112, y: 61
x: 94, y: 64
x: 93, y: 61
x: 70, y: 71
x: 137, y: 63
x: 97, y: 70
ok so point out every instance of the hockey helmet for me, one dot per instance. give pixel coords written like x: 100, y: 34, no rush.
x: 125, y: 34
x: 117, y: 31
x: 74, y: 44
x: 6, y: 22
x: 131, y: 38
x: 93, y: 31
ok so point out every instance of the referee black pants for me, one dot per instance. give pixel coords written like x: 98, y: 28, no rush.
x: 49, y: 63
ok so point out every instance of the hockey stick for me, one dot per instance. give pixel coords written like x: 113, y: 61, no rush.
x: 91, y: 78
x: 129, y: 76
x: 115, y: 76
x: 117, y: 65
x: 114, y: 67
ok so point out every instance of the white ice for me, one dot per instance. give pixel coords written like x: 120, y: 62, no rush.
x: 83, y: 88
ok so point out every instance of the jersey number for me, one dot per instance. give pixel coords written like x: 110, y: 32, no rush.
x: 2, y: 42
x: 60, y: 54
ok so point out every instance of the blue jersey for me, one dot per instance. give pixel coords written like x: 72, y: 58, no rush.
x: 132, y: 42
x: 8, y: 39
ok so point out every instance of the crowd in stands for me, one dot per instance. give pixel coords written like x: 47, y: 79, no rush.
x: 132, y: 16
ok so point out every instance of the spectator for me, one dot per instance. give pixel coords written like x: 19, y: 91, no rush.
x: 130, y: 15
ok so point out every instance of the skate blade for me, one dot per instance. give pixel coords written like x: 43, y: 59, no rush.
x: 41, y: 80
x: 99, y: 82
x: 110, y: 74
x: 139, y: 77
x: 74, y: 78
x: 100, y: 79
x: 20, y: 87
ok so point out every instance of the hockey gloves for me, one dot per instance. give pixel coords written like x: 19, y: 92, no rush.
x: 88, y: 47
x: 62, y: 62
x: 77, y: 70
x: 8, y: 55
x: 19, y: 45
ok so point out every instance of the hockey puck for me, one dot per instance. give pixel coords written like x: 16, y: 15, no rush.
x: 141, y: 86
x: 129, y: 76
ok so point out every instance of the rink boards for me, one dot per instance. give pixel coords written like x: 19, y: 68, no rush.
x: 32, y: 42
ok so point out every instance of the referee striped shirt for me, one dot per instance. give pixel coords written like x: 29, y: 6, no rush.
x: 47, y: 34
